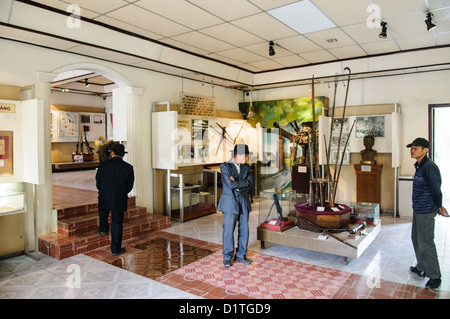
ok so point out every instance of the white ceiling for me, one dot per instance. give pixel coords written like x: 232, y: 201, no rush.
x: 238, y: 32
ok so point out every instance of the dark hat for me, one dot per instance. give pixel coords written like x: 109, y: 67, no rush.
x: 240, y: 149
x: 420, y: 141
x: 118, y: 149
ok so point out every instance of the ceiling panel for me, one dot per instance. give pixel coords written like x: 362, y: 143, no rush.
x: 203, y: 41
x: 232, y: 34
x: 147, y: 20
x: 100, y: 6
x: 318, y: 56
x: 264, y: 26
x: 180, y: 11
x: 291, y: 61
x: 347, y: 52
x: 237, y: 32
x: 347, y: 12
x: 322, y: 38
x: 380, y: 47
x: 228, y: 10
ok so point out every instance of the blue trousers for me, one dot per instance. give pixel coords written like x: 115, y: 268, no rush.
x: 229, y: 225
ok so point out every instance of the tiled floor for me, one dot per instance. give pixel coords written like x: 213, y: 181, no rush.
x: 185, y: 261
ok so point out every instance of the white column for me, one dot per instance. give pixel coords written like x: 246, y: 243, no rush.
x: 129, y: 126
x: 47, y: 222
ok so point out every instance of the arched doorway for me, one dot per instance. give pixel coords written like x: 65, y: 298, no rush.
x: 130, y: 98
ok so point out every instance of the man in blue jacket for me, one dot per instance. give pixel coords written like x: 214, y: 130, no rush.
x: 237, y: 182
x: 114, y: 179
x: 427, y: 203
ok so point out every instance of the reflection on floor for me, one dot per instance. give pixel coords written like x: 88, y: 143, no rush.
x: 185, y: 261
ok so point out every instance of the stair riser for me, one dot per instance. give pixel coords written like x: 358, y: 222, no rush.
x: 84, y: 210
x: 76, y: 227
x: 71, y: 246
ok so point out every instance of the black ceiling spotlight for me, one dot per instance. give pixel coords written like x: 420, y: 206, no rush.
x: 86, y: 83
x: 271, y: 49
x: 430, y: 25
x: 383, y: 34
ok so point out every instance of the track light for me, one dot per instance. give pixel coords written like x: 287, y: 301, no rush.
x: 271, y: 49
x: 430, y: 25
x: 86, y: 83
x: 383, y: 34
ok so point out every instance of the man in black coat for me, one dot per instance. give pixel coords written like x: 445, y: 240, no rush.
x: 115, y: 180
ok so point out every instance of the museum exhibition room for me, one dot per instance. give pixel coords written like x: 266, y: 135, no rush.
x: 333, y: 114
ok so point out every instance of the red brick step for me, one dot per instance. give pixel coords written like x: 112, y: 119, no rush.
x: 86, y: 223
x: 78, y: 229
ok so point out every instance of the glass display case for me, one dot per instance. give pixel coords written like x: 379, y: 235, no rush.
x: 12, y: 199
x: 364, y: 212
x: 192, y: 195
x: 274, y: 209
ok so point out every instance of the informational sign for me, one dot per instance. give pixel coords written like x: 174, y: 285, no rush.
x: 7, y: 108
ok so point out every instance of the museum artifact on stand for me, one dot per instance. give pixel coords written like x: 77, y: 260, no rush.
x: 321, y: 213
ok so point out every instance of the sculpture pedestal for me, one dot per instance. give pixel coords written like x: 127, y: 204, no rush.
x: 368, y: 181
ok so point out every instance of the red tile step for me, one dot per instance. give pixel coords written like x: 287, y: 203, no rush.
x: 78, y: 229
x: 61, y: 246
x: 85, y: 209
x: 86, y: 223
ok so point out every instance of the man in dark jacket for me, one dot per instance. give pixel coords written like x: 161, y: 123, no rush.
x: 427, y: 203
x: 115, y: 180
x: 237, y: 182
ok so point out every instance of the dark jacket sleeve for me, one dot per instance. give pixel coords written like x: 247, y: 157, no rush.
x: 433, y: 178
x: 130, y: 181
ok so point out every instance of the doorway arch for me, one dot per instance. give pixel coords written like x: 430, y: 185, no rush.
x: 46, y: 214
x: 115, y: 76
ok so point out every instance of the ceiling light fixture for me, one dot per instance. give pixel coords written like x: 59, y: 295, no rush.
x: 383, y: 34
x: 302, y: 16
x: 430, y: 25
x: 271, y: 49
x: 86, y: 83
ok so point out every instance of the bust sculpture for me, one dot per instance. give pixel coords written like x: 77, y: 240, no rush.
x: 368, y: 154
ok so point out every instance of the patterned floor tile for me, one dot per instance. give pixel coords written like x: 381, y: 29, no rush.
x: 268, y: 277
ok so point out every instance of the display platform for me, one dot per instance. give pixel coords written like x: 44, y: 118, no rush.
x: 304, y: 239
x: 69, y: 166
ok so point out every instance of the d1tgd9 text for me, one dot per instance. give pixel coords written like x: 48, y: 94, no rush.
x: 240, y: 308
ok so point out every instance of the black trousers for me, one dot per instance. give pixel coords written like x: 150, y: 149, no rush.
x: 116, y: 227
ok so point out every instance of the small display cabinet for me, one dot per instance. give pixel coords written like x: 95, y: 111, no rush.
x: 12, y: 199
x: 364, y: 212
x: 192, y: 195
x: 274, y: 208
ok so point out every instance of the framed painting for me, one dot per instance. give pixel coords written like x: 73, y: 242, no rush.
x: 6, y: 153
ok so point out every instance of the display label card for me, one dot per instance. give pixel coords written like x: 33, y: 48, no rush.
x: 366, y: 168
x: 302, y: 169
x: 273, y: 222
x: 320, y: 208
x: 341, y: 207
x: 335, y: 209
